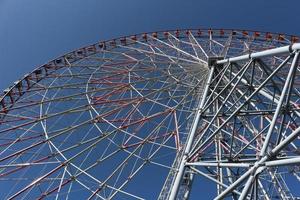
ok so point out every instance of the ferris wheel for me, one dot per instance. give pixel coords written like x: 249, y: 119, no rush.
x: 179, y: 114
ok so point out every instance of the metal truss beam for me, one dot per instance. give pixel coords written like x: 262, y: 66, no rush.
x: 213, y: 94
x: 269, y: 52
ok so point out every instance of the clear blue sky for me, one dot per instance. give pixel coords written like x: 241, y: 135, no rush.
x: 34, y: 31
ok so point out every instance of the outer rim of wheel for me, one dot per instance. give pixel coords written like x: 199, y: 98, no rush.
x: 90, y: 49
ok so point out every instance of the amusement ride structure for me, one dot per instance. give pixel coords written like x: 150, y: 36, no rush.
x: 181, y: 114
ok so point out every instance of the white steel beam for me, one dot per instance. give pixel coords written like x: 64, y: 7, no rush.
x: 179, y: 175
x: 288, y: 161
x: 269, y: 52
x: 253, y: 169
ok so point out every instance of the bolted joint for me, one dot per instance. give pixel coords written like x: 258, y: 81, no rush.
x: 212, y: 61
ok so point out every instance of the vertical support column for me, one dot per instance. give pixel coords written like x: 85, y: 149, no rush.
x: 181, y: 169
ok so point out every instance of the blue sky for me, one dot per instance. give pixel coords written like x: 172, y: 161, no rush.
x: 34, y: 31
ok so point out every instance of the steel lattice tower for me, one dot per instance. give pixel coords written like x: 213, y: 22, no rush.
x: 180, y: 114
